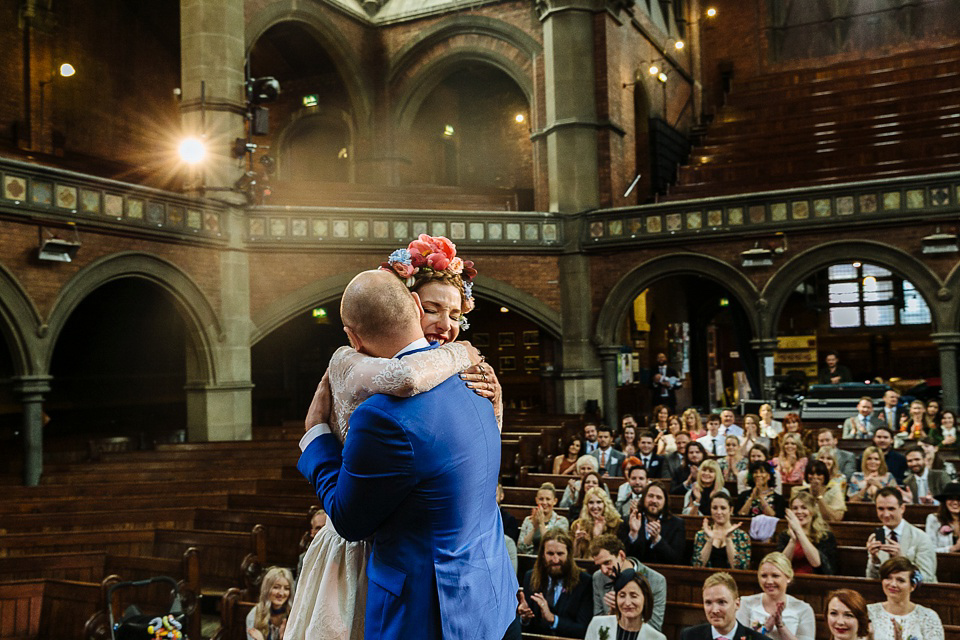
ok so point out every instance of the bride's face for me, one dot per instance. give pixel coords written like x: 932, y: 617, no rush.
x: 441, y: 312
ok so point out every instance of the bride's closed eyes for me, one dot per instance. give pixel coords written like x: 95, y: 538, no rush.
x: 441, y: 312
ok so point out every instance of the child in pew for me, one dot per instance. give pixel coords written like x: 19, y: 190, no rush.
x: 268, y: 620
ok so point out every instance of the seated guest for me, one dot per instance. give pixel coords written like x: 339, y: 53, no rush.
x: 865, y: 484
x: 834, y: 477
x: 585, y: 464
x: 591, y: 480
x: 685, y: 475
x: 936, y: 461
x: 556, y: 599
x: 734, y: 462
x: 631, y: 490
x: 721, y: 544
x: 858, y: 427
x: 318, y: 519
x: 897, y: 618
x: 651, y: 533
x: 268, y: 619
x: 808, y: 542
x: 708, y: 484
x: 727, y: 424
x: 921, y: 482
x: 565, y: 464
x: 846, y: 460
x: 608, y: 553
x: 667, y: 441
x: 761, y: 499
x: 758, y: 453
x: 510, y: 527
x: 829, y: 496
x: 773, y: 612
x: 653, y: 463
x: 597, y: 517
x: 628, y: 433
x: 541, y: 520
x: 590, y: 437
x: 659, y: 418
x: 609, y: 458
x: 692, y: 423
x: 511, y: 551
x: 791, y: 424
x: 769, y: 428
x: 934, y: 411
x: 752, y: 435
x: 721, y: 600
x: 713, y: 442
x: 631, y: 609
x: 792, y: 461
x: 675, y: 460
x: 833, y: 372
x: 943, y: 527
x: 913, y: 426
x: 891, y: 413
x: 846, y: 615
x: 945, y: 435
x: 897, y: 537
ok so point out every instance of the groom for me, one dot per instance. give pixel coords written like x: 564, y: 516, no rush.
x: 418, y: 475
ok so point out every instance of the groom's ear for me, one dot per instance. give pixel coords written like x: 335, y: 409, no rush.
x: 354, y: 339
x: 416, y: 300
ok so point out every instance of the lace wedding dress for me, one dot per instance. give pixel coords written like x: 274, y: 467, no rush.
x: 330, y: 598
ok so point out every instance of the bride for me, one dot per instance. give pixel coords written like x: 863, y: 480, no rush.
x: 330, y: 598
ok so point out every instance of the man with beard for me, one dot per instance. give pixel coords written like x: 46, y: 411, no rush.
x: 896, y: 463
x: 673, y: 461
x: 631, y: 490
x: 590, y: 443
x: 608, y: 553
x: 557, y: 597
x: 685, y: 475
x: 651, y: 533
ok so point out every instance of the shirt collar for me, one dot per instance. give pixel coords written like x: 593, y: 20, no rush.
x: 419, y: 343
x: 716, y: 634
x: 898, y: 530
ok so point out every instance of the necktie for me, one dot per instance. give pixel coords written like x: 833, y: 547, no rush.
x: 603, y: 458
x: 893, y: 536
x: 646, y: 462
x: 866, y: 422
x: 714, y: 444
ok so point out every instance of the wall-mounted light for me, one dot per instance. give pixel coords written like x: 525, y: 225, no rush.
x: 678, y: 45
x: 448, y: 130
x: 662, y: 77
x: 519, y: 118
x: 311, y: 100
x: 763, y: 256
x: 192, y: 150
x: 53, y: 248
x: 940, y: 242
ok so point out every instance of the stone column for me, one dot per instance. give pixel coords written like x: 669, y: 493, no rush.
x: 212, y: 64
x: 573, y: 175
x: 764, y: 348
x: 608, y: 358
x: 947, y: 343
x: 31, y: 390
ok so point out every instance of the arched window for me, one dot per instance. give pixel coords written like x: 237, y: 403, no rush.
x: 865, y: 295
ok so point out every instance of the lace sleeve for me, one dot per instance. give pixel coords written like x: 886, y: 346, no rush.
x: 354, y: 377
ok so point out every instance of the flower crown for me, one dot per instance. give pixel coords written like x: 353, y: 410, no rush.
x: 433, y: 254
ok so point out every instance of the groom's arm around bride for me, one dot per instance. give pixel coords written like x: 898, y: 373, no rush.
x: 419, y: 475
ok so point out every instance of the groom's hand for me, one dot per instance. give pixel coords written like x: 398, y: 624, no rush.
x: 319, y: 411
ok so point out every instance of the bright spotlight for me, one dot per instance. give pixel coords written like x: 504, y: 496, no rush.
x: 711, y: 12
x: 67, y: 70
x: 192, y: 150
x: 678, y: 44
x: 654, y: 69
x: 519, y: 117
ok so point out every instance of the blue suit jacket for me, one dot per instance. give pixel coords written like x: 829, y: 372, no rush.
x: 420, y: 475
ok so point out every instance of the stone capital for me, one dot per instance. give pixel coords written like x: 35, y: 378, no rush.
x: 946, y: 339
x: 764, y: 346
x: 32, y: 388
x: 547, y: 8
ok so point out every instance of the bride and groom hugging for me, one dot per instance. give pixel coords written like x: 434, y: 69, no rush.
x: 412, y: 488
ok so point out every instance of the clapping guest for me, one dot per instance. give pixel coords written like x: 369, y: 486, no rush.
x: 751, y: 434
x: 933, y: 413
x: 829, y: 496
x: 659, y: 417
x: 943, y: 527
x: 808, y: 542
x: 557, y: 598
x: 792, y: 461
x: 721, y: 600
x: 773, y: 612
x: 633, y: 606
x: 913, y: 426
x: 565, y: 464
x: 769, y: 428
x: 835, y: 477
x: 541, y: 520
x: 585, y: 464
x: 631, y: 491
x: 654, y: 464
x: 610, y: 556
x: 598, y: 517
x: 897, y: 617
x: 945, y: 435
x: 667, y: 442
x: 846, y: 615
x: 627, y: 440
x: 758, y: 453
x: 708, y: 484
x: 651, y: 532
x: 858, y: 427
x: 684, y: 476
x: 721, y: 544
x: 762, y: 499
x: 734, y: 462
x: 865, y: 484
x: 591, y: 480
x: 791, y: 424
x: 268, y: 620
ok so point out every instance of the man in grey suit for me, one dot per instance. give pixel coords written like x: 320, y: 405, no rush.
x: 610, y: 555
x: 859, y: 427
x: 891, y: 412
x: 897, y: 537
x: 922, y: 482
x: 610, y: 460
x: 846, y: 460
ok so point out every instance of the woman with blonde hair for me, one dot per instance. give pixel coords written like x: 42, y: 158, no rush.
x: 541, y: 520
x: 808, y: 543
x: 835, y: 477
x: 693, y: 423
x: 268, y: 620
x: 734, y: 462
x: 769, y: 428
x: 873, y: 476
x: 709, y: 483
x: 792, y: 460
x: 773, y: 612
x: 597, y: 517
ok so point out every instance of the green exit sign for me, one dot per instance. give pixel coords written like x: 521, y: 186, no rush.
x: 311, y: 100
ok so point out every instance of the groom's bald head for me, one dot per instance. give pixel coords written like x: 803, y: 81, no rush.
x: 377, y: 305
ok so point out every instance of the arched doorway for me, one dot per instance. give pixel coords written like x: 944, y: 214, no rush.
x: 473, y: 131
x: 119, y: 366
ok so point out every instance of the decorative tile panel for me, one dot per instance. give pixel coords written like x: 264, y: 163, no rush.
x: 694, y: 220
x: 14, y: 188
x: 361, y: 229
x: 113, y: 205
x: 513, y: 231
x: 915, y: 199
x: 66, y: 197
x: 868, y: 203
x: 320, y: 228
x: 758, y: 213
x: 298, y: 228
x: 674, y: 222
x: 401, y: 229
x: 596, y: 229
x: 134, y: 209
x: 155, y: 214
x: 195, y: 219
x: 635, y: 225
x: 654, y: 224
x: 550, y: 232
x: 257, y: 227
x: 939, y: 196
x: 438, y: 229
x: 822, y: 208
x: 42, y: 193
x: 175, y: 216
x: 381, y: 229
x: 458, y: 230
x: 211, y: 222
x: 278, y: 227
x: 800, y: 210
x: 477, y: 231
x: 495, y: 231
x: 715, y: 218
x: 778, y: 211
x: 891, y: 201
x: 341, y: 228
x: 845, y: 206
x: 531, y: 232
x: 89, y: 201
x: 419, y: 228
x: 735, y: 216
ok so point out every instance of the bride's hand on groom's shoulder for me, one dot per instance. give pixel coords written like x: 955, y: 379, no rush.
x: 319, y: 411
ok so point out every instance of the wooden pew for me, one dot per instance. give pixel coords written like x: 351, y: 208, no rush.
x: 282, y: 531
x: 43, y: 609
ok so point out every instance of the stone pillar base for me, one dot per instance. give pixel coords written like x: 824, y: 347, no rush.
x: 219, y: 412
x: 31, y: 390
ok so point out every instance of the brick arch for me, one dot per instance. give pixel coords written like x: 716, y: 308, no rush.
x: 420, y: 76
x: 329, y: 289
x: 202, y: 324
x: 315, y: 18
x: 20, y: 325
x: 642, y: 276
x: 779, y: 287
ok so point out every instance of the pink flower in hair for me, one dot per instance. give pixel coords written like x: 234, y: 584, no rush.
x: 456, y: 266
x: 433, y: 252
